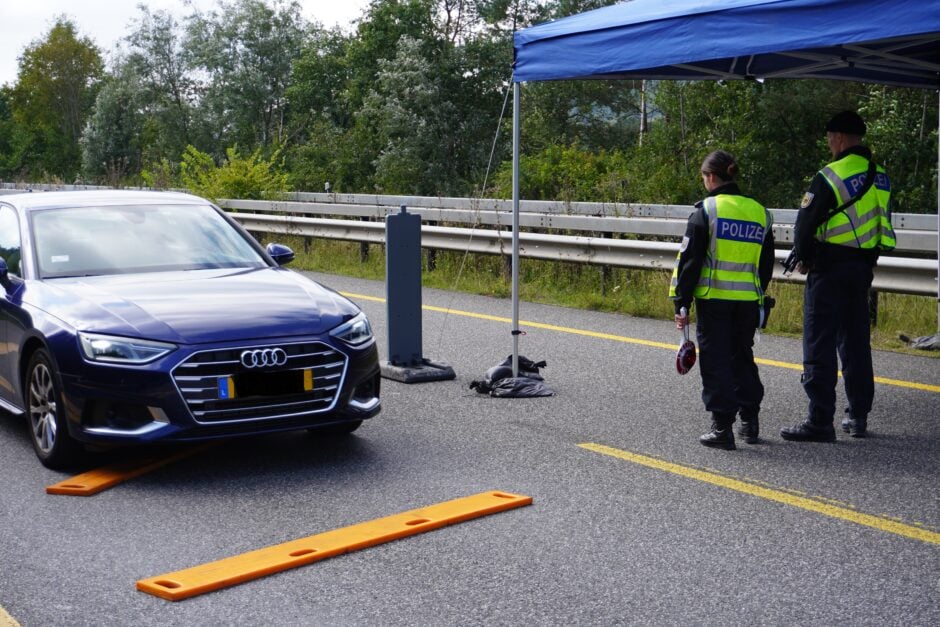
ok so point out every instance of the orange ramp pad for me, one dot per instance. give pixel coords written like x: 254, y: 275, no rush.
x: 234, y: 570
x: 95, y: 481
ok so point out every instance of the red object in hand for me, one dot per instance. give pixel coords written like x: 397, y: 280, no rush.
x: 685, y: 356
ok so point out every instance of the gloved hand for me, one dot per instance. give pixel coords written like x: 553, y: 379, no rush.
x: 682, y: 319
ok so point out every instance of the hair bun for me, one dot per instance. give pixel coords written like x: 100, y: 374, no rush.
x: 721, y: 164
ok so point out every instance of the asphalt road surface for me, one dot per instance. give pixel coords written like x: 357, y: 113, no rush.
x: 632, y: 521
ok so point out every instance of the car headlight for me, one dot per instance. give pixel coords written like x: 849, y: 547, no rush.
x: 354, y: 331
x: 122, y: 350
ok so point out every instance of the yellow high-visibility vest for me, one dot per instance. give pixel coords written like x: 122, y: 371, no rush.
x: 736, y: 229
x: 866, y: 223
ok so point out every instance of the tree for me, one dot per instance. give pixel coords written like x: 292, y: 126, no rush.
x: 377, y: 37
x: 788, y: 140
x: 320, y: 114
x: 459, y: 55
x: 170, y: 95
x: 349, y: 88
x: 247, y: 51
x: 507, y: 16
x: 11, y: 139
x: 56, y: 87
x: 772, y: 128
x: 111, y: 142
x: 410, y: 119
x: 602, y: 115
x: 319, y: 81
x: 903, y: 137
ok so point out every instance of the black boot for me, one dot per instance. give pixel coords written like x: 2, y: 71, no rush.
x: 809, y: 431
x: 749, y: 429
x: 721, y: 435
x: 855, y: 426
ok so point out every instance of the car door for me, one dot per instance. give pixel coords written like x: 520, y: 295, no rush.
x: 10, y: 312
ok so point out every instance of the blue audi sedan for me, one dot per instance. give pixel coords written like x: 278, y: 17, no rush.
x: 138, y: 317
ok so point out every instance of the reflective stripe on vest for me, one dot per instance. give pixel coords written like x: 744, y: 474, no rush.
x: 865, y: 223
x: 736, y: 229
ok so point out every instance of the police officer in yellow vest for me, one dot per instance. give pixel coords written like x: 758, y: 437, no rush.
x: 725, y: 263
x: 842, y: 225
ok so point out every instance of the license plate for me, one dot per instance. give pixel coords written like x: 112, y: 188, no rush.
x: 282, y: 383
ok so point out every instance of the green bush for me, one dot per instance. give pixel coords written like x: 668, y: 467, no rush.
x: 251, y: 177
x: 159, y: 175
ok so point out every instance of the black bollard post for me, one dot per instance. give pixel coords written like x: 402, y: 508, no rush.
x: 403, y: 291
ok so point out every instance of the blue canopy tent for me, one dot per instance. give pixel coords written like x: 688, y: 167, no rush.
x: 893, y: 42
x: 896, y: 42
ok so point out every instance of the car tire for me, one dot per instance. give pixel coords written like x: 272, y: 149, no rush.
x: 343, y: 428
x: 45, y: 412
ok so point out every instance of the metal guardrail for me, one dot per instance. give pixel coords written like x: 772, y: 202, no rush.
x: 916, y: 234
x: 909, y: 275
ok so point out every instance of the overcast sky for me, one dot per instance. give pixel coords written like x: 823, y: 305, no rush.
x: 107, y: 21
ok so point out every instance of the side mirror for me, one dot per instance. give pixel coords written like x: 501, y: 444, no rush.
x: 281, y: 254
x: 5, y: 275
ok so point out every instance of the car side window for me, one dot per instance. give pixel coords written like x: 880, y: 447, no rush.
x: 10, y: 245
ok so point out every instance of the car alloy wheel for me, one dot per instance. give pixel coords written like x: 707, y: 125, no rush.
x: 53, y: 444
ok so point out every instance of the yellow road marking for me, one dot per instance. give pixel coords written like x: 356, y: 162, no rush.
x: 926, y: 387
x: 100, y: 479
x: 786, y: 497
x: 190, y: 582
x: 6, y: 620
x: 374, y: 299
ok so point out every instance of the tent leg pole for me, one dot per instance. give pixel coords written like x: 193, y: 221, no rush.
x: 516, y: 116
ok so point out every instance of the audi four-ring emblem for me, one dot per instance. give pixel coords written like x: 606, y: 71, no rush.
x: 263, y: 358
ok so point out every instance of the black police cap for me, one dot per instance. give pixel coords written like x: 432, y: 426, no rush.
x: 847, y: 122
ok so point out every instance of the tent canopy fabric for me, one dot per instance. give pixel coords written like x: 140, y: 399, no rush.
x: 893, y: 42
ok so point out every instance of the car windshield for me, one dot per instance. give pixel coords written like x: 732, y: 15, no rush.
x: 86, y: 241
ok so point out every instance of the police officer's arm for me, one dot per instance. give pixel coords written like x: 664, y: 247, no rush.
x: 691, y: 258
x: 765, y: 268
x: 814, y: 210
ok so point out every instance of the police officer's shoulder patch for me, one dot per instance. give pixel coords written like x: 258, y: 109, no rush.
x: 807, y: 199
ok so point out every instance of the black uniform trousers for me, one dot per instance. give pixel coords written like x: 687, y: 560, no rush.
x: 835, y: 320
x: 730, y: 381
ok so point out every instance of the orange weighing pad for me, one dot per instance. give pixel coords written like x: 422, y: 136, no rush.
x: 255, y: 564
x: 94, y: 481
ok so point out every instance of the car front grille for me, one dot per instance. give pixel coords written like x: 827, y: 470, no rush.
x: 218, y: 387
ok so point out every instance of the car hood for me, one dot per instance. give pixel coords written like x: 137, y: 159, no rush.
x: 195, y: 306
